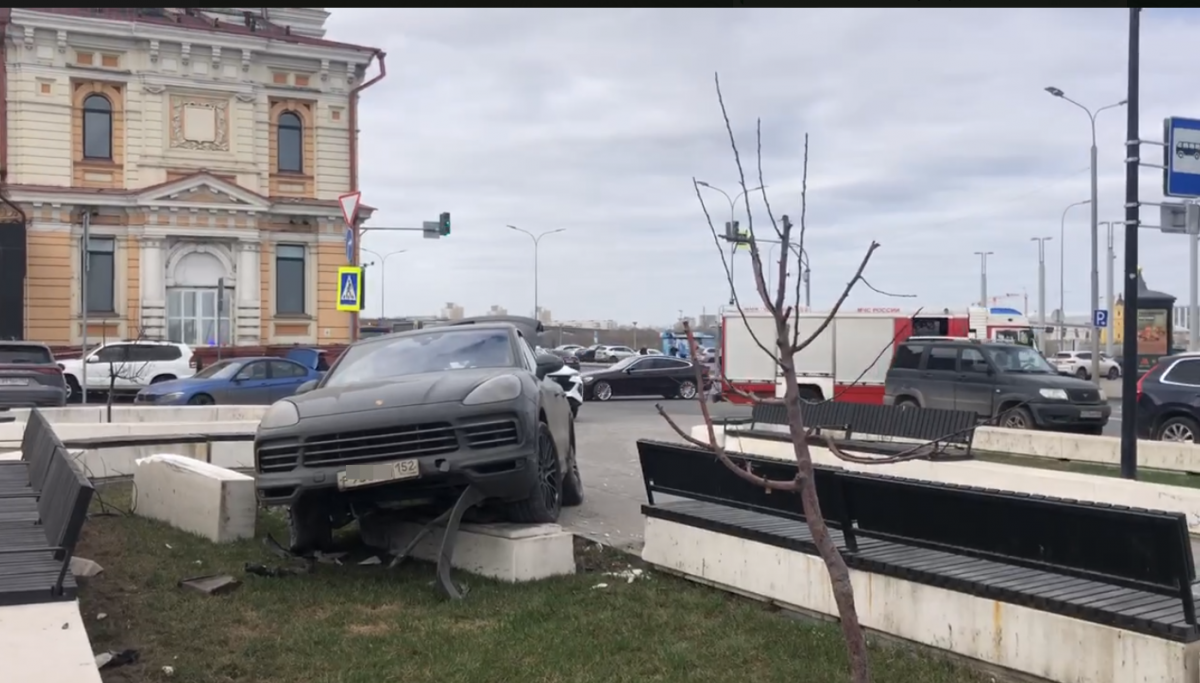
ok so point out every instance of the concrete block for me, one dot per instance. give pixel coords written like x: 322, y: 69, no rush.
x: 194, y: 496
x: 46, y: 643
x: 139, y: 413
x: 507, y: 552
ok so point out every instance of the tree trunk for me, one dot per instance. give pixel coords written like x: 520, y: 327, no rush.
x: 839, y: 573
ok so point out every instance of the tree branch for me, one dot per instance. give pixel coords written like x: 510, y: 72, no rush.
x: 798, y: 347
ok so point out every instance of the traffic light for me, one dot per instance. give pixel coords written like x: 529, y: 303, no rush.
x: 731, y: 231
x: 444, y: 223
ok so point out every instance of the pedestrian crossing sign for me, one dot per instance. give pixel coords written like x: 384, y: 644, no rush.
x: 350, y: 289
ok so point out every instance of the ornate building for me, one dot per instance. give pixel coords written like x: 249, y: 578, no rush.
x: 202, y: 148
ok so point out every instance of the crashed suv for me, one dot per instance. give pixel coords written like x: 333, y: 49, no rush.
x: 422, y: 419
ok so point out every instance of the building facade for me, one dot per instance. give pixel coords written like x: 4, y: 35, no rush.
x: 203, y: 153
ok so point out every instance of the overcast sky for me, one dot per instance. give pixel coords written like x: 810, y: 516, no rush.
x: 930, y: 133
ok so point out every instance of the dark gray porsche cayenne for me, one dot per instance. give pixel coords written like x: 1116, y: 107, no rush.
x: 412, y: 419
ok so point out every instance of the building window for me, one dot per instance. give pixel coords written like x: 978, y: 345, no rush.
x: 97, y: 127
x: 289, y: 279
x: 100, y: 271
x: 197, y: 318
x: 290, y: 143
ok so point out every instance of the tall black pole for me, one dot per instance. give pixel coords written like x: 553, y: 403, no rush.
x: 1129, y: 364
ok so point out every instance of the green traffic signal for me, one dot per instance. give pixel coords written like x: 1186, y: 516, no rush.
x: 444, y: 223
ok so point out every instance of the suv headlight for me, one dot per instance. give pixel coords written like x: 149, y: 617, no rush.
x: 494, y: 390
x: 1053, y: 394
x: 280, y: 414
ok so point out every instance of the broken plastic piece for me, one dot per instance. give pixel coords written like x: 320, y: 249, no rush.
x: 212, y: 584
x: 276, y: 572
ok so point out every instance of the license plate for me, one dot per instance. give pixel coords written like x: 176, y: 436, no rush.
x: 14, y: 381
x: 355, y: 476
x: 1090, y: 414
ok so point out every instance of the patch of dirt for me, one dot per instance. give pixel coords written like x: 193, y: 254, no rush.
x: 374, y: 629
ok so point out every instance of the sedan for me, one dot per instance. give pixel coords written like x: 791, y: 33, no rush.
x: 236, y: 381
x: 644, y: 376
x: 610, y: 354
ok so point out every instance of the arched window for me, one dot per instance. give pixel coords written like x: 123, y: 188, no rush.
x: 290, y: 143
x: 97, y: 127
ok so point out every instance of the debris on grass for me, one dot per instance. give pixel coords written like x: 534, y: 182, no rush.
x: 629, y: 575
x: 277, y: 572
x: 114, y: 658
x: 83, y: 568
x: 373, y: 560
x: 213, y: 584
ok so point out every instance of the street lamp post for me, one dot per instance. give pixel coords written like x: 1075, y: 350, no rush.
x: 1112, y: 257
x: 732, y: 213
x: 537, y: 240
x: 1094, y: 201
x: 1041, y: 283
x: 983, y: 297
x: 383, y: 277
x: 1062, y: 269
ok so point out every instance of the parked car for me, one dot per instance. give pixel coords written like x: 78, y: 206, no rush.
x: 1168, y: 400
x: 588, y: 355
x: 29, y: 376
x: 237, y: 381
x: 568, y: 378
x: 127, y: 366
x: 572, y: 349
x: 1011, y: 383
x: 413, y: 418
x: 644, y: 376
x: 567, y: 357
x: 1079, y: 363
x: 611, y: 354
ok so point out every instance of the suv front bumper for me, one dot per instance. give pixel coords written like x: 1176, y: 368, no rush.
x: 1051, y: 415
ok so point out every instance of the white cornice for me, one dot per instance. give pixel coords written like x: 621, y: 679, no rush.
x: 123, y: 201
x: 97, y: 26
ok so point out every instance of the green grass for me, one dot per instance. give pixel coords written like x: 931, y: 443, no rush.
x: 352, y: 624
x: 1143, y: 474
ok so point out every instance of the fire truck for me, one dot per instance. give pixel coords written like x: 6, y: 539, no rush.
x: 849, y: 359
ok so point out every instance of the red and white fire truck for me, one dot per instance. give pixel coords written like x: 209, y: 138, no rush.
x: 849, y: 360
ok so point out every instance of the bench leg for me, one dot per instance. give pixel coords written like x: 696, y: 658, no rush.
x: 469, y: 498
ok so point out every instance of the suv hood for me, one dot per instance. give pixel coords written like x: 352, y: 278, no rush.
x: 1050, y: 381
x: 395, y: 392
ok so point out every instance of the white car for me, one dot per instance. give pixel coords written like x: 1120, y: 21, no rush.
x: 127, y: 366
x: 571, y: 382
x: 572, y: 349
x: 609, y: 354
x: 1079, y: 363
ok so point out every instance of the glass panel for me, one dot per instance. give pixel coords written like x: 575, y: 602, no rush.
x: 290, y: 143
x: 208, y: 303
x: 174, y: 303
x: 189, y: 304
x: 175, y: 330
x: 97, y: 135
x: 100, y: 283
x: 289, y: 286
x: 208, y: 331
x: 189, y: 331
x: 289, y: 251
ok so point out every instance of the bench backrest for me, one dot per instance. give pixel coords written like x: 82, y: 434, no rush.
x: 63, y: 503
x: 38, y: 444
x: 696, y: 473
x: 925, y: 424
x: 1147, y: 549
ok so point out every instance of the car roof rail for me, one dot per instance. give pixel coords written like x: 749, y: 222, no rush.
x: 941, y: 338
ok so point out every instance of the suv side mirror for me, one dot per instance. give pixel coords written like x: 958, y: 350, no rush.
x: 306, y: 387
x: 93, y: 359
x: 548, y: 363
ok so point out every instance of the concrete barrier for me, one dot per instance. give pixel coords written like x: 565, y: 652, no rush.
x: 136, y: 413
x: 507, y: 552
x: 1017, y: 638
x: 1106, y: 450
x: 1034, y: 481
x: 46, y: 643
x: 206, y: 500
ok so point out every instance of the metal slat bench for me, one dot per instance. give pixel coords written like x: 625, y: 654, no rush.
x: 949, y: 427
x: 25, y: 477
x: 1115, y: 566
x: 35, y: 559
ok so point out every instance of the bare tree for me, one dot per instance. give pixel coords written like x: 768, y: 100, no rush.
x: 126, y: 368
x: 783, y: 347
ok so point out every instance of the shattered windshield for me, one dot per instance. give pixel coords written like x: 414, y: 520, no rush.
x: 1020, y: 359
x: 439, y: 350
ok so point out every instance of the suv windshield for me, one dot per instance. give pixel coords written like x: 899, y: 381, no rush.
x: 1014, y: 358
x: 439, y: 350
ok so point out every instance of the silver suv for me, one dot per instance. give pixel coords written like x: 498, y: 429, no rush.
x: 29, y: 376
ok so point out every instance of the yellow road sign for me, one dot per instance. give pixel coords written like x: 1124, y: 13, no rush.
x: 350, y: 289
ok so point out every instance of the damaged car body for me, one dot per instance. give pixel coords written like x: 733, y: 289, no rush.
x: 434, y: 421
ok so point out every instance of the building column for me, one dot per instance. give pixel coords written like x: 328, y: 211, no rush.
x: 154, y: 289
x: 248, y: 308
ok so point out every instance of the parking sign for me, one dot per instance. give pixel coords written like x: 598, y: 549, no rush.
x: 1100, y: 318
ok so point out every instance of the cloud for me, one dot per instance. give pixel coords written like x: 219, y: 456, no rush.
x: 930, y: 132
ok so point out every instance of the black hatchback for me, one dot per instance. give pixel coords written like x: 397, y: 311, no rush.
x: 1168, y: 399
x: 1011, y: 383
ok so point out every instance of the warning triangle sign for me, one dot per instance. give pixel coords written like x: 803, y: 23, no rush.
x: 349, y: 203
x: 349, y: 290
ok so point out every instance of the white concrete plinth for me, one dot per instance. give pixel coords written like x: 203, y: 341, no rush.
x: 1105, y: 450
x: 507, y: 552
x: 1023, y: 639
x: 142, y: 413
x: 207, y: 500
x: 45, y: 643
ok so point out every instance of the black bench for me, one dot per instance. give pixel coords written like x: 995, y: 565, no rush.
x: 35, y: 559
x: 1116, y: 566
x: 947, y: 427
x: 25, y: 477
